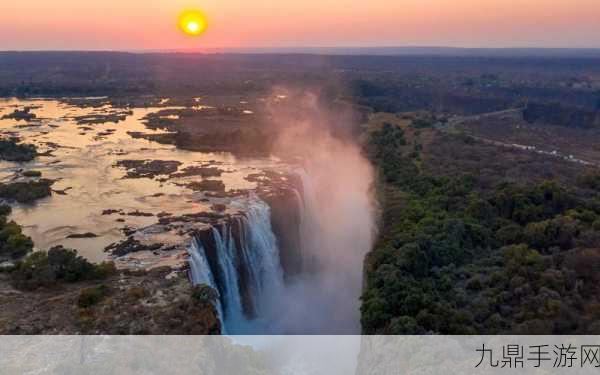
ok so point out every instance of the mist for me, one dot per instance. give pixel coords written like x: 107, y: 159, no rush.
x: 339, y: 214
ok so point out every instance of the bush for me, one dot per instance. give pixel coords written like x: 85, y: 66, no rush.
x: 42, y: 269
x: 12, y: 151
x: 136, y: 292
x: 32, y: 173
x: 104, y: 270
x: 404, y: 325
x: 91, y: 296
x: 204, y: 294
x: 13, y: 243
x: 26, y: 192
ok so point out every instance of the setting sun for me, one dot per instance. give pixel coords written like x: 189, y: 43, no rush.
x: 192, y: 22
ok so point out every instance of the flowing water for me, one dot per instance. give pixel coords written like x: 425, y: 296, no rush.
x: 82, y: 163
x: 238, y: 257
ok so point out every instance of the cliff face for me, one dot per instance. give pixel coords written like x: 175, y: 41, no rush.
x: 153, y: 302
x: 230, y: 231
x: 285, y: 207
x: 250, y: 251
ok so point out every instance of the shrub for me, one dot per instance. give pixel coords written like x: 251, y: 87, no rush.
x: 91, y: 296
x: 12, y: 151
x: 32, y: 173
x: 42, y: 269
x: 204, y: 294
x: 13, y: 243
x: 26, y: 192
x: 136, y: 292
x: 104, y: 270
x: 404, y: 325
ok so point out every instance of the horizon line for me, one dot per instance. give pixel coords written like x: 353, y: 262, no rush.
x: 381, y: 51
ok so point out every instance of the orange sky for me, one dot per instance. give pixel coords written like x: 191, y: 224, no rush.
x: 151, y: 24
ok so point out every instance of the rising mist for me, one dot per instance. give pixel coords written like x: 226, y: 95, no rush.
x: 338, y: 225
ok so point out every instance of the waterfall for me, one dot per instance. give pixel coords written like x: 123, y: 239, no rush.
x: 201, y: 273
x: 310, y: 230
x: 240, y: 259
x: 263, y: 251
x: 229, y: 288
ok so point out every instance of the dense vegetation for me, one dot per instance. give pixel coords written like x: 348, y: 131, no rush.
x: 13, y: 243
x: 455, y: 257
x: 43, y: 269
x: 12, y: 151
x: 26, y: 191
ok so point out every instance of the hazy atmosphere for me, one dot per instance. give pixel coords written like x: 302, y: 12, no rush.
x: 151, y: 24
x: 308, y: 177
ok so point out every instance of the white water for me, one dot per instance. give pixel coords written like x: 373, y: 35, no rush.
x: 259, y: 254
x: 324, y: 298
x: 201, y: 273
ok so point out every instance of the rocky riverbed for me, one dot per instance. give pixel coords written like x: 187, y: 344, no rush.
x: 117, y: 192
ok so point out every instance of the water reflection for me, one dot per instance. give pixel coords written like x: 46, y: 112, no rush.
x: 81, y: 158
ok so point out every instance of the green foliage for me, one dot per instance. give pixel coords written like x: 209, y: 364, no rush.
x: 12, y: 151
x: 26, y: 192
x: 91, y: 296
x: 461, y: 259
x: 57, y: 265
x: 204, y: 294
x: 13, y: 243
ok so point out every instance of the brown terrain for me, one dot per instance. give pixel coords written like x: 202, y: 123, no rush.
x: 154, y: 302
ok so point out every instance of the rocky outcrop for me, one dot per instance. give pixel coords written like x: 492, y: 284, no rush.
x: 24, y: 114
x: 148, y: 168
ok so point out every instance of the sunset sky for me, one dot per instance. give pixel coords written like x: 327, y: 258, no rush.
x: 152, y: 24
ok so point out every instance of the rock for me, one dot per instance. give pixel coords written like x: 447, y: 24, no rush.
x: 199, y: 171
x: 101, y: 118
x: 62, y: 192
x: 24, y: 114
x: 204, y: 217
x: 207, y: 185
x: 32, y: 173
x: 285, y: 221
x: 130, y: 245
x: 148, y: 168
x: 110, y: 211
x: 219, y: 207
x: 82, y: 235
x: 139, y: 213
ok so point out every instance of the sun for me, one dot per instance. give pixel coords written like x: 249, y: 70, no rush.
x: 192, y: 22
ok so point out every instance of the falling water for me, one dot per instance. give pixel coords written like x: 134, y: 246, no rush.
x: 323, y: 297
x: 201, y: 273
x: 247, y: 263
